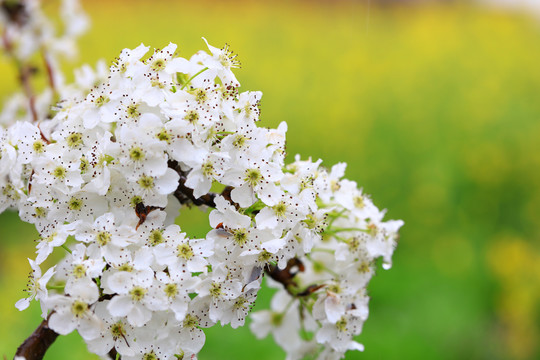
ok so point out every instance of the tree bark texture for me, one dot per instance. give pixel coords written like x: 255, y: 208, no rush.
x: 35, y: 346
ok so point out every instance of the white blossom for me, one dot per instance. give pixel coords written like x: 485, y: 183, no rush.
x: 105, y: 178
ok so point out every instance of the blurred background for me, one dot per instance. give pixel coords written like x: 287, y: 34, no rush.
x: 435, y: 106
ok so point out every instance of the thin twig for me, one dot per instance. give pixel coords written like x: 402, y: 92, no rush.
x: 50, y: 72
x: 25, y: 73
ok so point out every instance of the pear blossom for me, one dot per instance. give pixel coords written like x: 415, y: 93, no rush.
x: 36, y: 285
x: 125, y: 150
x: 74, y: 311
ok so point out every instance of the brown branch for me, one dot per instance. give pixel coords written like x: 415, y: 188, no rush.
x: 286, y: 277
x: 185, y: 194
x: 25, y: 73
x: 50, y: 71
x: 18, y: 16
x: 35, y: 346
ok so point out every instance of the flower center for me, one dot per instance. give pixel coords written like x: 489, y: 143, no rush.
x: 264, y: 256
x: 40, y: 212
x: 359, y: 202
x: 353, y: 243
x: 171, y: 290
x: 51, y: 237
x: 158, y: 64
x: 85, y: 164
x: 253, y: 176
x: 79, y: 271
x: 137, y: 293
x: 125, y: 267
x: 215, y: 289
x: 38, y: 146
x: 136, y: 153
x: 364, y: 267
x: 228, y: 59
x: 240, y: 303
x: 103, y: 238
x: 192, y: 116
x: 208, y: 168
x: 117, y: 330
x: 184, y: 251
x: 59, y: 172
x: 136, y: 200
x: 372, y: 229
x: 190, y: 321
x: 280, y: 209
x: 146, y: 182
x: 200, y: 95
x: 155, y: 237
x: 150, y: 356
x: 240, y: 236
x: 133, y: 111
x: 74, y: 140
x: 163, y: 135
x: 239, y: 140
x: 75, y: 204
x: 101, y: 100
x: 276, y: 318
x: 341, y: 324
x: 334, y: 185
x: 79, y: 308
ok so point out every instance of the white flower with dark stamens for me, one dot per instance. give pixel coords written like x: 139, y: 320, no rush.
x: 142, y: 155
x: 37, y: 285
x: 74, y: 311
x: 116, y: 333
x: 154, y: 190
x: 182, y: 254
x: 176, y: 292
x: 27, y: 138
x: 206, y: 166
x: 58, y: 168
x: 80, y: 266
x: 286, y: 213
x: 79, y: 205
x: 105, y: 231
x: 220, y: 63
x: 53, y: 237
x: 136, y: 297
x: 97, y: 163
x: 254, y: 178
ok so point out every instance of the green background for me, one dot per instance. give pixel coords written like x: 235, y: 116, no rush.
x: 436, y: 110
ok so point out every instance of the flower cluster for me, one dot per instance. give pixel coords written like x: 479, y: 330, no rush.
x: 324, y: 300
x: 105, y: 177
